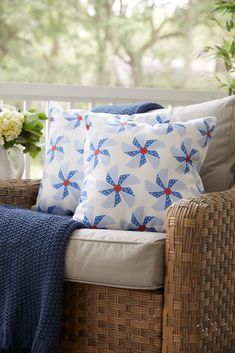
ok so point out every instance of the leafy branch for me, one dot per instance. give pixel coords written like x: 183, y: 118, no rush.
x: 225, y: 51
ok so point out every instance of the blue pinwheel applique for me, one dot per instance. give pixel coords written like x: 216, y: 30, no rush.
x: 74, y: 121
x: 165, y: 190
x: 167, y: 128
x: 90, y: 220
x: 99, y: 152
x: 142, y: 223
x: 187, y: 156
x: 88, y: 122
x: 141, y: 151
x: 66, y: 183
x: 117, y: 187
x: 121, y: 123
x: 161, y: 119
x: 206, y: 130
x: 56, y: 147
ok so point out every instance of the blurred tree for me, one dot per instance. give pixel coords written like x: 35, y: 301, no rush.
x: 104, y: 42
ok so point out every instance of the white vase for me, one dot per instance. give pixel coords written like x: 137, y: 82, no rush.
x: 7, y: 171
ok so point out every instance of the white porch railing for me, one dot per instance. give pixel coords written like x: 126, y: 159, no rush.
x: 38, y: 95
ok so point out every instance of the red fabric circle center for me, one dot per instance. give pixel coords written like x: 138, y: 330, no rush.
x: 167, y: 191
x: 97, y: 151
x: 117, y: 188
x: 143, y: 150
x: 66, y: 182
x: 188, y: 158
x: 53, y: 147
x: 142, y: 228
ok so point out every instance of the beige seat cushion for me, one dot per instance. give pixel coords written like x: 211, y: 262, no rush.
x: 218, y: 169
x: 116, y: 258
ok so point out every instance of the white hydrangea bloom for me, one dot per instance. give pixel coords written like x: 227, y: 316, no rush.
x: 11, y: 123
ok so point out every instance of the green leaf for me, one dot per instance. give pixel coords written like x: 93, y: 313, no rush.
x: 34, y: 150
x: 33, y: 132
x: 9, y: 144
x: 20, y: 140
x: 42, y: 116
x: 30, y: 121
x: 229, y: 25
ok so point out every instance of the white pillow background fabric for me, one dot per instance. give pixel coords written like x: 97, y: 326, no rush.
x: 62, y: 179
x: 133, y: 171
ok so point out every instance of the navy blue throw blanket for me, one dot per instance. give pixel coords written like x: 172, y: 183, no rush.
x: 32, y: 246
x: 127, y: 109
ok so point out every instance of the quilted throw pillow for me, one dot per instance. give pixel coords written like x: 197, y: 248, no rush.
x: 62, y: 179
x: 134, y: 171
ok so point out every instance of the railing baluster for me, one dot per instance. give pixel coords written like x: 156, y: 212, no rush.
x: 26, y: 175
x: 89, y: 105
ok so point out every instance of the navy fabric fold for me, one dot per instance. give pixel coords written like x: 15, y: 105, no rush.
x: 32, y: 247
x: 127, y: 109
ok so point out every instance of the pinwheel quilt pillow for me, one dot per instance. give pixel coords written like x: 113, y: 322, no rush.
x: 60, y: 188
x: 134, y: 171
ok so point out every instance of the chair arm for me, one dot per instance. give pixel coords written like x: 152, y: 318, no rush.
x: 199, y: 302
x: 19, y: 192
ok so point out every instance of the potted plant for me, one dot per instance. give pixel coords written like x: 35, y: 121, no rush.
x: 18, y: 128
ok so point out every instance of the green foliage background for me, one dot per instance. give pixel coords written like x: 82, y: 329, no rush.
x: 108, y: 42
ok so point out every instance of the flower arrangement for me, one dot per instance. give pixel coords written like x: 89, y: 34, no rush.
x: 23, y: 128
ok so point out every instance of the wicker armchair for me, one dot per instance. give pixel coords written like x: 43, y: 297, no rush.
x: 196, y: 311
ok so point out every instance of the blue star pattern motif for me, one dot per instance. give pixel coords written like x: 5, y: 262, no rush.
x: 141, y: 151
x: 120, y: 123
x: 165, y: 190
x: 187, y: 156
x: 117, y: 187
x: 206, y: 130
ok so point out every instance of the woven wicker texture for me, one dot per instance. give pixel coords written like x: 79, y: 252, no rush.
x: 199, y: 312
x: 102, y: 319
x: 18, y: 192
